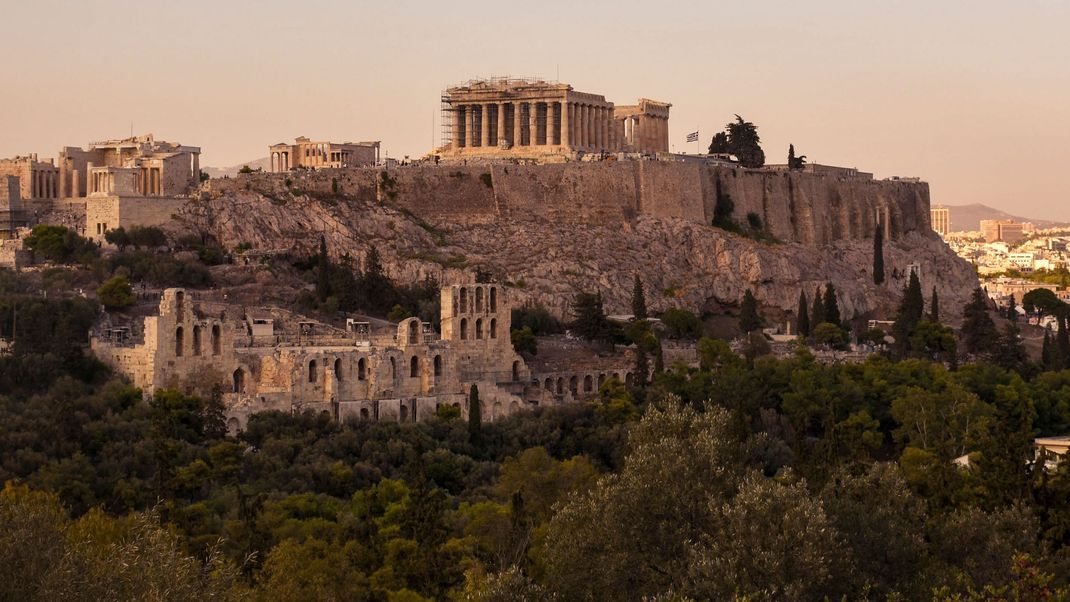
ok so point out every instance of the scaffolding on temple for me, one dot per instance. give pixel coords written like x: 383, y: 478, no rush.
x: 447, y: 113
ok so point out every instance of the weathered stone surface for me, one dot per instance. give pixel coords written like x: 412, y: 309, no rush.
x: 528, y: 229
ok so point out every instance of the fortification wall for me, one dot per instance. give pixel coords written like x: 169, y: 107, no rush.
x: 811, y: 209
x: 111, y: 212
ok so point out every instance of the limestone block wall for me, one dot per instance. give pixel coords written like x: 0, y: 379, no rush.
x: 110, y: 212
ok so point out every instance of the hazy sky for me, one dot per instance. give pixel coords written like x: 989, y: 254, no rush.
x: 972, y: 96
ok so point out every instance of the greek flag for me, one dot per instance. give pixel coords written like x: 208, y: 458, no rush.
x: 692, y: 137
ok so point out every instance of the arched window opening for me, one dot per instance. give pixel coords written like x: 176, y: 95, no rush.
x: 216, y: 343
x: 414, y: 332
x: 479, y: 300
x: 601, y: 379
x: 438, y: 365
x: 479, y: 329
x: 516, y: 371
x: 362, y: 369
x: 179, y: 335
x: 587, y: 382
x: 493, y: 299
x: 404, y: 414
x: 549, y: 385
x: 496, y: 411
x: 239, y: 381
x: 573, y: 386
x: 180, y: 298
x: 493, y: 328
x: 312, y: 371
x: 233, y: 427
x: 464, y: 329
x: 628, y: 379
x: 364, y: 414
x: 393, y: 369
x: 560, y: 386
x: 196, y: 340
x: 338, y: 369
x: 464, y: 300
x: 414, y: 367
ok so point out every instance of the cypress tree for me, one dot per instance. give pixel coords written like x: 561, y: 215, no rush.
x: 748, y: 313
x: 323, y: 273
x: 791, y: 156
x: 659, y: 360
x: 1063, y: 340
x: 934, y: 308
x: 878, y: 255
x: 817, y: 314
x: 911, y: 311
x: 475, y: 415
x: 642, y: 367
x: 1049, y: 359
x: 639, y: 300
x: 802, y: 318
x: 1012, y: 309
x: 978, y: 329
x: 832, y: 307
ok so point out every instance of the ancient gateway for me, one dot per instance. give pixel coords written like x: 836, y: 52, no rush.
x: 268, y: 359
x: 533, y: 119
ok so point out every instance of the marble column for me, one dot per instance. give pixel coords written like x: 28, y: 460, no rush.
x: 517, y: 139
x: 467, y: 125
x: 484, y: 122
x: 499, y: 121
x: 605, y: 128
x: 566, y: 124
x: 533, y: 123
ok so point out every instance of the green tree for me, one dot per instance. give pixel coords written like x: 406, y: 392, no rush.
x: 323, y: 272
x: 524, y: 341
x: 148, y: 237
x: 934, y: 308
x: 681, y: 324
x: 60, y: 245
x: 911, y: 311
x: 638, y: 300
x: 802, y: 316
x: 978, y: 329
x: 719, y: 145
x: 749, y: 320
x: 744, y: 143
x: 1062, y: 340
x: 590, y: 319
x: 1043, y: 302
x: 830, y: 335
x: 817, y: 312
x: 878, y: 254
x: 832, y: 306
x: 116, y: 293
x: 1049, y: 354
x: 118, y: 237
x: 475, y: 416
x: 793, y: 161
x: 1008, y: 352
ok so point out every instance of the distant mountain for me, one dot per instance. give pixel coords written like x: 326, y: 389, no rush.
x: 219, y: 172
x: 967, y: 218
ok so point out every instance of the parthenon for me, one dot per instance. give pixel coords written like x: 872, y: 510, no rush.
x: 524, y: 118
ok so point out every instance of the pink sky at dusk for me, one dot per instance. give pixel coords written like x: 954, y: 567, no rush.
x: 973, y: 97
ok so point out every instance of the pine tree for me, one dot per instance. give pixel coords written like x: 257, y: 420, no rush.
x: 323, y: 273
x: 802, y: 318
x: 878, y: 255
x: 978, y: 330
x: 639, y: 300
x: 832, y: 306
x: 748, y: 313
x: 817, y: 314
x: 475, y: 415
x: 934, y: 308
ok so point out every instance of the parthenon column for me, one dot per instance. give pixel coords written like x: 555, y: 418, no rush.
x: 499, y: 121
x: 484, y: 125
x: 533, y: 123
x: 566, y: 124
x: 588, y: 126
x: 467, y: 125
x: 605, y: 128
x: 516, y: 124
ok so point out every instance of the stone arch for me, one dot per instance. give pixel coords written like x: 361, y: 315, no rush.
x: 560, y: 386
x: 338, y: 369
x: 549, y: 384
x: 364, y: 415
x: 574, y: 385
x: 233, y: 426
x: 403, y: 414
x: 493, y: 299
x: 514, y: 407
x: 179, y: 336
x: 196, y: 339
x: 438, y: 365
x: 496, y: 411
x: 238, y: 381
x: 616, y: 375
x: 362, y: 369
x: 516, y: 371
x: 601, y: 379
x: 393, y: 369
x: 312, y: 371
x: 414, y: 332
x: 414, y: 367
x: 628, y: 379
x: 464, y: 329
x: 464, y: 300
x: 479, y: 328
x: 588, y: 384
x: 180, y: 299
x: 217, y: 344
x: 479, y: 299
x: 493, y: 328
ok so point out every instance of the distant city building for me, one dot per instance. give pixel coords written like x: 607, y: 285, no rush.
x: 1007, y: 231
x: 941, y: 218
x: 310, y: 154
x: 1023, y: 261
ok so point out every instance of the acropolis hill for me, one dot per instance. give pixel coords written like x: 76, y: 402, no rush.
x: 553, y: 230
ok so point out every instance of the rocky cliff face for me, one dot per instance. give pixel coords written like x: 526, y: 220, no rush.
x: 549, y: 257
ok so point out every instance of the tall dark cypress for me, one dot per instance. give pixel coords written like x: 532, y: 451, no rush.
x: 748, y: 313
x: 934, y: 308
x: 878, y: 254
x: 1049, y: 358
x: 638, y: 300
x: 323, y: 273
x: 978, y: 330
x: 817, y: 314
x: 475, y: 415
x: 802, y: 318
x: 1063, y: 340
x: 832, y: 306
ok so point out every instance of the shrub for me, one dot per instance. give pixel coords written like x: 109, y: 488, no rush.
x: 681, y: 324
x: 60, y: 244
x: 116, y: 293
x: 524, y: 341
